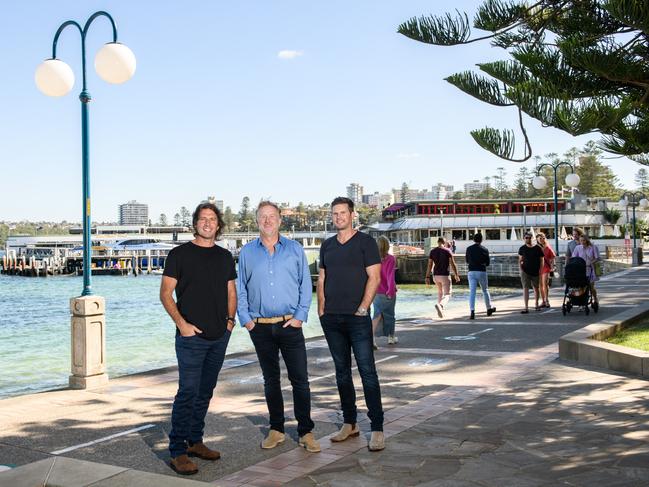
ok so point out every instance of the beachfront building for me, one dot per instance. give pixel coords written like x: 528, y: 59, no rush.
x: 133, y: 213
x: 499, y: 221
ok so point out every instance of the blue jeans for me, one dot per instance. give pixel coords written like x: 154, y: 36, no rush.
x: 269, y: 340
x: 475, y: 278
x: 345, y: 333
x: 384, y: 306
x: 199, y: 364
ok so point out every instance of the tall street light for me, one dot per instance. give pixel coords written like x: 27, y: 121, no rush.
x: 114, y: 63
x: 634, y: 199
x: 539, y: 182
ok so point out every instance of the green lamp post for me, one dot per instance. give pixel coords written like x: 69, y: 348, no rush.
x: 114, y: 63
x: 539, y: 182
x: 634, y: 199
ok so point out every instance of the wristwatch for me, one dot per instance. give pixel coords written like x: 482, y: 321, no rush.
x: 231, y: 318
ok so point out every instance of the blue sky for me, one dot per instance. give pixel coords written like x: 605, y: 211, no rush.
x: 213, y: 109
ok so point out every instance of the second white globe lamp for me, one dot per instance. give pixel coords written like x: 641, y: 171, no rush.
x: 572, y: 180
x: 115, y: 63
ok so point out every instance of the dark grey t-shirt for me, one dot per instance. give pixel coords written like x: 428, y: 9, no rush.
x: 345, y: 274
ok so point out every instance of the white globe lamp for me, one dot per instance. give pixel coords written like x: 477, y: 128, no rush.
x: 53, y: 77
x: 644, y: 202
x: 572, y: 180
x: 623, y: 202
x: 539, y: 182
x: 115, y: 63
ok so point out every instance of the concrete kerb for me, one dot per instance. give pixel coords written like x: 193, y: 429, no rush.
x: 586, y: 347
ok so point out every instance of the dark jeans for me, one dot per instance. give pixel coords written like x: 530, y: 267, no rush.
x: 199, y: 364
x: 345, y: 333
x: 269, y: 340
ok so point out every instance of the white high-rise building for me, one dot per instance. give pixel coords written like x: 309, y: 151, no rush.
x: 442, y: 191
x: 355, y: 193
x: 474, y: 187
x: 134, y: 213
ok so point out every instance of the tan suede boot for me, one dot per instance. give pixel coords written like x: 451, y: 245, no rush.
x: 345, y: 432
x: 273, y: 439
x: 309, y: 442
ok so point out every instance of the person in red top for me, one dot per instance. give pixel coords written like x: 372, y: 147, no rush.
x: 548, y: 267
x: 386, y: 293
x: 440, y: 260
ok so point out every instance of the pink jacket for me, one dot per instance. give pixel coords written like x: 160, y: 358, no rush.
x: 388, y: 285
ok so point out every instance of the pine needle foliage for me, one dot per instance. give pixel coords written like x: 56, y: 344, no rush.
x: 581, y: 66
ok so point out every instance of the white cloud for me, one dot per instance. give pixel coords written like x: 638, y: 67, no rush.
x: 411, y: 155
x: 289, y: 54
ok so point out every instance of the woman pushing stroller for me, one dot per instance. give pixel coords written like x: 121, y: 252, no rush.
x: 589, y: 252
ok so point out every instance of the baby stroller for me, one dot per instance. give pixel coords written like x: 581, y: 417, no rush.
x: 577, y: 287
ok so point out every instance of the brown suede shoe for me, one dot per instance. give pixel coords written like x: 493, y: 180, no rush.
x: 183, y: 465
x: 200, y: 450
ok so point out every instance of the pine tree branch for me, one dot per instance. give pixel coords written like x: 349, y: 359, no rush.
x: 502, y: 143
x: 481, y: 88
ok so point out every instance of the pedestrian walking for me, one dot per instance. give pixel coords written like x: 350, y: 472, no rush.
x: 441, y: 262
x: 546, y: 270
x: 477, y: 259
x: 349, y: 274
x: 274, y: 297
x: 202, y: 274
x: 590, y: 253
x: 386, y: 294
x: 530, y: 261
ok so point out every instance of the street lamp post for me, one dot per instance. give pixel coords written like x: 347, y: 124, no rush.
x: 539, y: 182
x: 634, y: 199
x: 114, y: 63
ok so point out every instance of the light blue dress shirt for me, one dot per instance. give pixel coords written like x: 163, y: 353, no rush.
x: 273, y: 285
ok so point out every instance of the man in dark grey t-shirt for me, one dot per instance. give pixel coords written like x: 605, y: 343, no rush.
x: 350, y: 272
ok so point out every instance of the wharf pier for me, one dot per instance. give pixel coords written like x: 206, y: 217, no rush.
x: 114, y: 263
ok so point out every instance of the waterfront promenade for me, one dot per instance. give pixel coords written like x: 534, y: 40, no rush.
x: 468, y: 403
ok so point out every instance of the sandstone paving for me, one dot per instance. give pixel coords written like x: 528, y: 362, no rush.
x: 499, y: 410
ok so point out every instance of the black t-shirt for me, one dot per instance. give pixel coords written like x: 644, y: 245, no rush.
x: 345, y: 276
x: 531, y: 259
x: 477, y: 257
x: 202, y: 289
x: 441, y: 257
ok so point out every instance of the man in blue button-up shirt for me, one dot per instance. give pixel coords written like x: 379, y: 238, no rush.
x: 274, y: 290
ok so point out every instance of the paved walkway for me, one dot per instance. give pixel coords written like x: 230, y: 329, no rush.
x: 468, y: 403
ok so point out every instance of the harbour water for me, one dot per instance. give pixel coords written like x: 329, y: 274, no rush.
x: 35, y: 327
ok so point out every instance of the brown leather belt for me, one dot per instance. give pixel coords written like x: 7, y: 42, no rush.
x: 272, y: 320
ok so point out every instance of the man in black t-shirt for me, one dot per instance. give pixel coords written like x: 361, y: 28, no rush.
x: 203, y: 276
x: 441, y: 262
x: 530, y: 259
x: 350, y: 272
